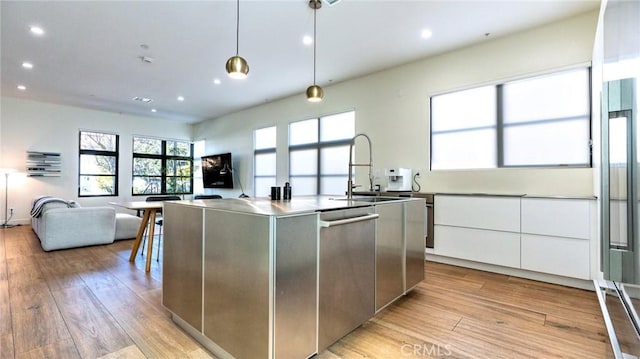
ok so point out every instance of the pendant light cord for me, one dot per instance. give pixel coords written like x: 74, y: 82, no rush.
x: 237, y: 27
x: 314, y: 43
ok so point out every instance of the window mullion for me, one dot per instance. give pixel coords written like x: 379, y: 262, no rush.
x: 319, y: 165
x: 499, y: 126
x: 191, y: 146
x: 117, y: 155
x: 163, y: 168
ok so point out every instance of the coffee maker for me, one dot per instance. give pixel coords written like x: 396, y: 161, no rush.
x: 398, y: 179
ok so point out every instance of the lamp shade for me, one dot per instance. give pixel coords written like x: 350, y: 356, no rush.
x: 314, y: 93
x: 8, y: 170
x: 237, y: 67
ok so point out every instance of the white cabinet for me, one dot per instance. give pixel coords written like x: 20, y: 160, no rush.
x: 478, y: 228
x: 501, y: 248
x: 548, y: 235
x: 568, y: 257
x: 499, y: 213
x: 556, y: 236
x: 556, y: 217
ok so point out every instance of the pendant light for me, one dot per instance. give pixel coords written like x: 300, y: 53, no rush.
x: 236, y: 66
x: 314, y: 92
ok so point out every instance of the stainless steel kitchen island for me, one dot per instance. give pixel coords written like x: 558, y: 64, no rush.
x: 254, y: 278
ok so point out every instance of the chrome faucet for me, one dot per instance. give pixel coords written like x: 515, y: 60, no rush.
x: 350, y: 185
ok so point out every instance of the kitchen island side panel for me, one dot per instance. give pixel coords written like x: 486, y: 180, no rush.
x: 236, y: 283
x: 389, y: 253
x: 296, y: 292
x: 182, y: 263
x: 415, y: 224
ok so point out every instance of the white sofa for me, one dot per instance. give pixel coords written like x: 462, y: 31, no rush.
x: 127, y: 226
x: 59, y: 226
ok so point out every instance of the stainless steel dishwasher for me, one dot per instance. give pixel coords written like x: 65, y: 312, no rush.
x: 346, y: 295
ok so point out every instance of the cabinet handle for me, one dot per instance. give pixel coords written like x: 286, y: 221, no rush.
x: 338, y: 222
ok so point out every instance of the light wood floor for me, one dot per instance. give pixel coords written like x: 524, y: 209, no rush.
x: 92, y: 303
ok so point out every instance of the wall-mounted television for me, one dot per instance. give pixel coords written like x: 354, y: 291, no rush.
x: 217, y: 171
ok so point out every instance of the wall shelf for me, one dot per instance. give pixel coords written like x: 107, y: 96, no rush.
x: 44, y: 164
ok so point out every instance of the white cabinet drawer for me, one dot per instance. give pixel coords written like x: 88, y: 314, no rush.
x: 556, y: 255
x: 482, y: 212
x: 501, y: 248
x: 556, y: 217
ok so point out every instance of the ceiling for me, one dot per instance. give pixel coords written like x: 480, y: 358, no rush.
x: 91, y: 52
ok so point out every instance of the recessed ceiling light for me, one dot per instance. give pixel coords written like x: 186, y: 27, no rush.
x: 36, y: 30
x: 307, y: 40
x: 180, y: 98
x: 142, y: 99
x: 217, y: 81
x: 426, y: 33
x: 27, y: 65
x: 22, y: 87
x: 154, y: 110
x: 146, y: 59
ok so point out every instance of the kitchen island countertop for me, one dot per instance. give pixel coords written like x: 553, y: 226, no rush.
x: 297, y: 205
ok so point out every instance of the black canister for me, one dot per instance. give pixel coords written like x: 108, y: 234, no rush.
x: 275, y: 193
x: 287, y: 191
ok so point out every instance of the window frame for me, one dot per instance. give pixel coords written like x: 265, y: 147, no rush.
x: 115, y: 154
x: 500, y: 126
x: 164, y: 158
x: 263, y: 151
x: 319, y: 146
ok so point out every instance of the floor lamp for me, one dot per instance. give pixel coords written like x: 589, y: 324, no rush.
x: 6, y: 172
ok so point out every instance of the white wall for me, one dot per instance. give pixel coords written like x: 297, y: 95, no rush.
x: 36, y: 126
x: 392, y: 107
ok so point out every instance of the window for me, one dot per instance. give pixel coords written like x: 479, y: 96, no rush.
x: 464, y: 136
x: 98, y: 164
x: 319, y: 154
x: 162, y: 166
x: 264, y: 160
x: 539, y: 121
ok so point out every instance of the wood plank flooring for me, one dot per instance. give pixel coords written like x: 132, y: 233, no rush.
x: 92, y: 303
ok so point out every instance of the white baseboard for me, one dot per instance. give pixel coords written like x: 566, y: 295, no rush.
x: 19, y: 221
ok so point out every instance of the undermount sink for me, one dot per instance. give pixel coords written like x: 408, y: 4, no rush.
x: 371, y: 199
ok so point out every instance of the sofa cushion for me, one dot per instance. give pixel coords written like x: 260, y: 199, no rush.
x: 127, y: 226
x: 60, y: 228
